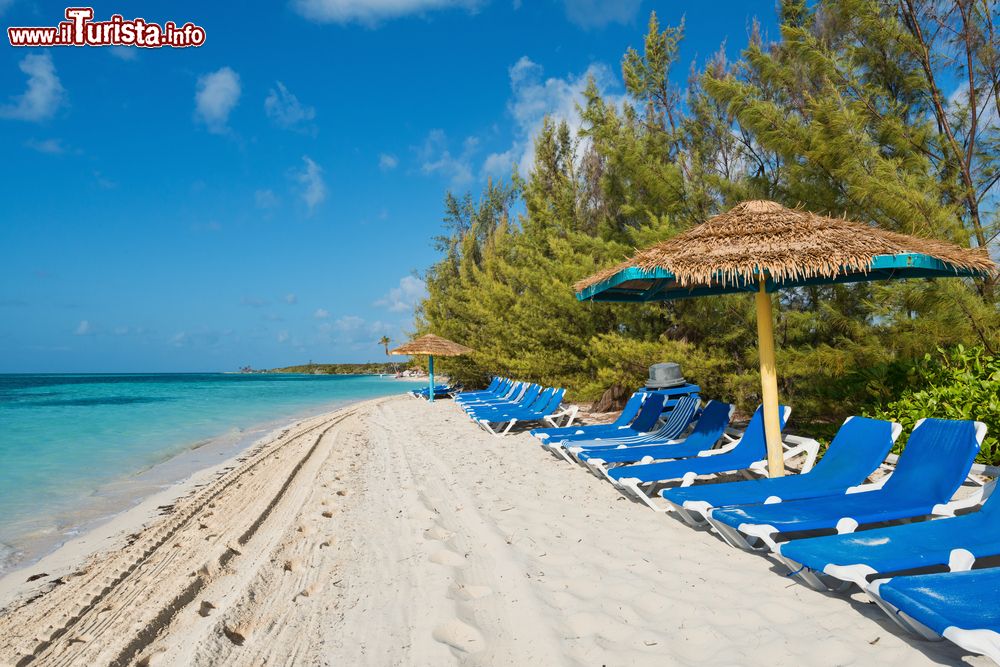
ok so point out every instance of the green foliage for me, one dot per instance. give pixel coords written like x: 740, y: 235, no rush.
x: 961, y: 383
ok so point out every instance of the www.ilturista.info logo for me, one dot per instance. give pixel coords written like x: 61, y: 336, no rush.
x: 79, y: 29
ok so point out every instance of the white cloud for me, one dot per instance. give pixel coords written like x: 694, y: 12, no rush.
x: 49, y: 146
x: 405, y: 297
x: 599, y: 13
x: 372, y: 12
x: 129, y: 331
x: 215, y: 97
x: 126, y: 53
x: 179, y: 339
x: 321, y: 314
x: 284, y: 108
x: 44, y: 92
x: 387, y: 161
x: 283, y: 336
x: 436, y: 158
x: 291, y: 299
x: 350, y: 324
x: 958, y: 103
x: 533, y: 97
x: 499, y: 164
x: 265, y: 199
x: 313, y: 186
x: 103, y: 182
x: 83, y: 328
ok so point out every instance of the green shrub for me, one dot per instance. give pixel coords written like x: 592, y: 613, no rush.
x: 961, y: 383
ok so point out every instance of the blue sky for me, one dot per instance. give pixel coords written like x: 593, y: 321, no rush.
x: 269, y: 198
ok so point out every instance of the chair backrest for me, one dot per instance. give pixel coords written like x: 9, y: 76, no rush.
x: 936, y: 459
x: 507, y: 392
x: 631, y: 409
x: 753, y: 437
x: 494, y: 384
x: 541, y: 400
x: 649, y: 413
x: 517, y: 392
x: 530, y: 394
x: 711, y: 425
x: 678, y: 419
x: 551, y: 405
x: 861, y: 444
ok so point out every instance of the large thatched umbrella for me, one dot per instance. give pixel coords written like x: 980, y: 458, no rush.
x: 761, y: 247
x: 432, y: 345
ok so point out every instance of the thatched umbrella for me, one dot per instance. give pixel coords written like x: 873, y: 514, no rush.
x: 432, y: 345
x: 761, y: 247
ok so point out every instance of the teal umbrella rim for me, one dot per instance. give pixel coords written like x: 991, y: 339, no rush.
x: 664, y: 286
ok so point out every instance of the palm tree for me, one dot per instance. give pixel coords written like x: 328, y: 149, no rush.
x: 384, y: 342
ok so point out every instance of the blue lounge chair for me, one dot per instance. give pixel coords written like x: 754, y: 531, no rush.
x: 514, y: 391
x: 933, y: 465
x: 646, y: 420
x: 959, y: 606
x: 628, y: 413
x: 440, y: 391
x: 956, y: 543
x: 856, y: 451
x: 708, y: 430
x: 750, y: 449
x: 496, y: 386
x: 524, y: 398
x: 528, y: 401
x: 547, y: 406
x: 507, y: 392
x: 675, y: 423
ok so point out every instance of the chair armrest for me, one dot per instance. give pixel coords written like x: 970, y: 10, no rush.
x: 801, y: 445
x: 728, y: 447
x: 870, y: 486
x: 569, y: 412
x: 973, y: 499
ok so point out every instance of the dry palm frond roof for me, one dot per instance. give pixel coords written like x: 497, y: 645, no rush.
x: 431, y: 344
x: 787, y: 244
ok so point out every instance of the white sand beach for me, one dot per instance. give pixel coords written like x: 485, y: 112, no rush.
x: 396, y: 533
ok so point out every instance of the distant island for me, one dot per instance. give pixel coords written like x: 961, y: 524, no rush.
x: 370, y: 368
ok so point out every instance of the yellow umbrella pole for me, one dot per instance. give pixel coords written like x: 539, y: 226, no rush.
x: 769, y: 383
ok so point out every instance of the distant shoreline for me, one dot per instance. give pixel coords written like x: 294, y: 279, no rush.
x: 369, y: 368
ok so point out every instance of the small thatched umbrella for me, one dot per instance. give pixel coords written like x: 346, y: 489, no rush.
x: 761, y: 247
x: 432, y: 345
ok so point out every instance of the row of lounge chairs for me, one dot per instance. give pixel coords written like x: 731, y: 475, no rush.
x: 898, y: 538
x: 506, y: 403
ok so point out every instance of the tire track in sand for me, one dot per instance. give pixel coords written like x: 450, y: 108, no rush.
x: 84, y: 616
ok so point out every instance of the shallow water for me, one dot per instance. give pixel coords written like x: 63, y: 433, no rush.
x: 77, y: 447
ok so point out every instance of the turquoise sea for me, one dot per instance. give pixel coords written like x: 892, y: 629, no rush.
x: 77, y: 448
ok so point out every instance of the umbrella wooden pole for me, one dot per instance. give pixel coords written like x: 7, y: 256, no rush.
x: 430, y: 373
x: 769, y: 383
